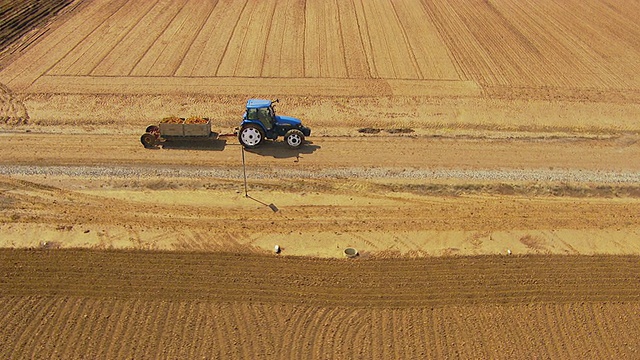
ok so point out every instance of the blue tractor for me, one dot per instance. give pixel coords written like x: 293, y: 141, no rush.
x: 260, y: 122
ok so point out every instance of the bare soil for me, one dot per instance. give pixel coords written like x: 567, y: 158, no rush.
x: 483, y: 158
x: 113, y: 304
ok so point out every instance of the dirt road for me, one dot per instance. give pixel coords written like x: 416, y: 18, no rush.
x: 609, y: 154
x: 429, y: 196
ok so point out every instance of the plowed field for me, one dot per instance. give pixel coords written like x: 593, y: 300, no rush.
x: 482, y: 157
x: 201, y: 305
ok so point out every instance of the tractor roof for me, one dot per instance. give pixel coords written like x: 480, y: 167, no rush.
x: 258, y: 103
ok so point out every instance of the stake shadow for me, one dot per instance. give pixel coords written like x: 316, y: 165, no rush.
x: 271, y: 206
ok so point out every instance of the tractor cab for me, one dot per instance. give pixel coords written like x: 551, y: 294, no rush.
x: 261, y: 111
x: 261, y: 122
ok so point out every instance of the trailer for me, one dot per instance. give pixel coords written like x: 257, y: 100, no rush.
x: 173, y: 128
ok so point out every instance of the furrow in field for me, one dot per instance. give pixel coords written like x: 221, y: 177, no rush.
x: 56, y: 340
x: 324, y: 52
x: 13, y: 309
x: 313, y: 334
x: 468, y: 54
x: 366, y: 36
x: 246, y: 50
x: 271, y: 326
x: 355, y: 324
x: 97, y: 45
x: 355, y: 56
x: 506, y: 283
x: 174, y: 331
x: 23, y: 339
x: 472, y: 53
x: 93, y: 320
x: 165, y: 55
x: 607, y: 43
x: 515, y: 57
x: 385, y: 348
x: 329, y: 325
x: 112, y: 315
x: 199, y: 331
x: 284, y: 54
x: 435, y: 339
x: 39, y: 58
x: 578, y: 328
x: 312, y: 52
x: 227, y: 338
x: 71, y: 326
x: 557, y: 57
x: 127, y: 53
x: 242, y: 322
x: 209, y: 47
x: 431, y: 55
x: 303, y: 321
x: 603, y: 337
x: 17, y: 19
x: 124, y: 333
x: 567, y: 59
x: 246, y: 328
x: 391, y: 53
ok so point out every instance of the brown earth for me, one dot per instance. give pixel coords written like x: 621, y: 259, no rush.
x: 499, y: 128
x: 116, y: 304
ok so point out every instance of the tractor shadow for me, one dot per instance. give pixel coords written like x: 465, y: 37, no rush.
x: 280, y: 150
x: 210, y: 145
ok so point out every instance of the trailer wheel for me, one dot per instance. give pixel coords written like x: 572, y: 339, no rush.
x: 294, y: 138
x: 148, y: 140
x: 250, y: 136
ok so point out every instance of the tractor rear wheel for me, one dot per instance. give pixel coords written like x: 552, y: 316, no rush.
x: 250, y: 136
x: 294, y: 138
x: 148, y: 140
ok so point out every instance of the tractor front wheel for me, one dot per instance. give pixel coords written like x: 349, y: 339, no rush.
x: 294, y: 138
x: 251, y: 136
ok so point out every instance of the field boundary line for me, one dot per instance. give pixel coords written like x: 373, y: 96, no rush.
x: 256, y: 86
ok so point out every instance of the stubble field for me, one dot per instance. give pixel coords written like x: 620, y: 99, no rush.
x: 486, y: 128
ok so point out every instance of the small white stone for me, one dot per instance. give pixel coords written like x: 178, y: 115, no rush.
x: 276, y: 249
